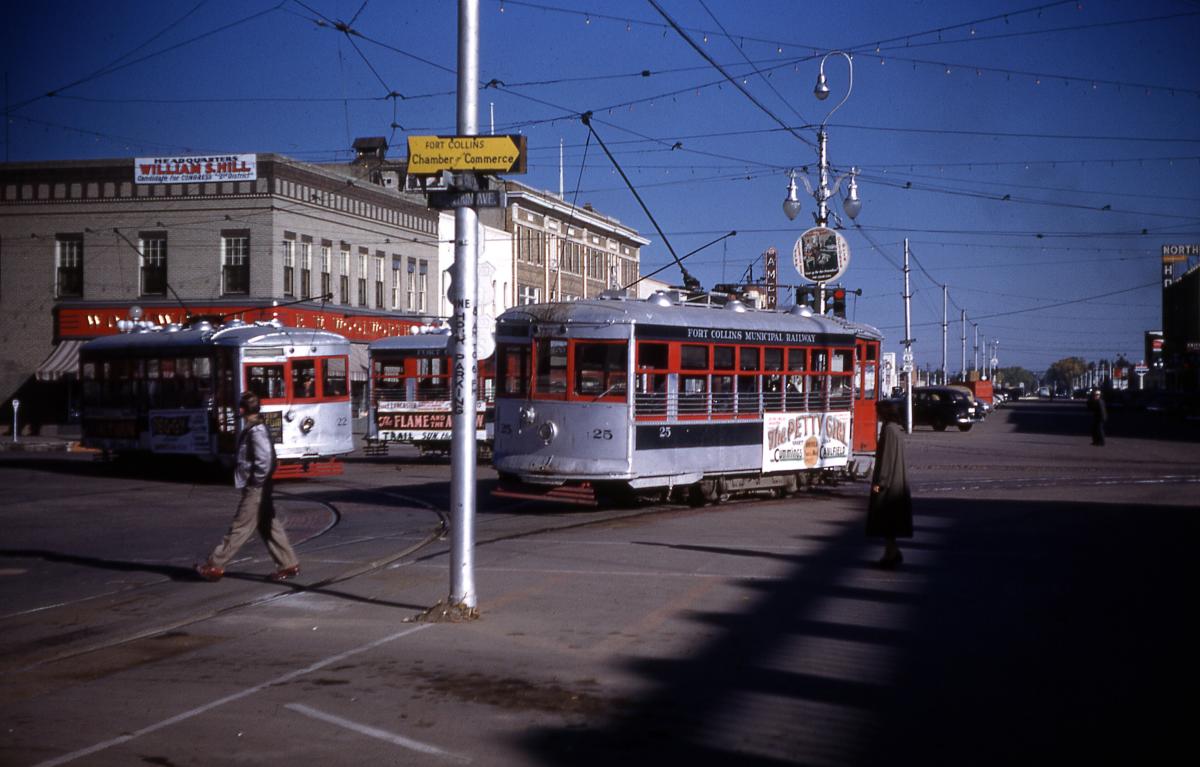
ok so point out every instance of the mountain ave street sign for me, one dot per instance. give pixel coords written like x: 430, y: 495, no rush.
x: 430, y: 155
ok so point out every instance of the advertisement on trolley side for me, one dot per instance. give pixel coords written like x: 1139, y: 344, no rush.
x: 422, y: 420
x: 797, y: 441
x: 182, y: 432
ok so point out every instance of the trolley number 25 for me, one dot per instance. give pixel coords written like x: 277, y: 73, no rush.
x: 602, y: 434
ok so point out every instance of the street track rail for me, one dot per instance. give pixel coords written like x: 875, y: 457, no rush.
x: 550, y: 524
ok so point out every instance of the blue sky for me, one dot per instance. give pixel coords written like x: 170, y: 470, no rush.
x: 1021, y: 147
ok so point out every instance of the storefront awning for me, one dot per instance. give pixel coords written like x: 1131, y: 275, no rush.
x: 360, y: 365
x: 64, y: 360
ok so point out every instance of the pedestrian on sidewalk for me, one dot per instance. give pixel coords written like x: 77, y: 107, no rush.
x: 1099, y: 412
x: 889, y: 511
x: 256, y: 510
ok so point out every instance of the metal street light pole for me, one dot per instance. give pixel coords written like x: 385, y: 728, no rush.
x: 463, y: 447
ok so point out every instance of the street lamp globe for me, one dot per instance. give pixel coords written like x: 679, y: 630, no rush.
x: 821, y: 91
x: 852, y: 205
x: 791, y: 205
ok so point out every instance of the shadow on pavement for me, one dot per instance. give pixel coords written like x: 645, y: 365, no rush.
x: 1021, y: 633
x: 188, y: 575
x: 180, y: 469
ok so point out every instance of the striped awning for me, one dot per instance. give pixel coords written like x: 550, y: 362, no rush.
x: 64, y: 360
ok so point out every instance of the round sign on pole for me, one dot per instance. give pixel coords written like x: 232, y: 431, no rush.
x: 821, y: 254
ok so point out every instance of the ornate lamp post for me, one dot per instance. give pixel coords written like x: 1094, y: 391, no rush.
x: 823, y: 192
x: 851, y: 205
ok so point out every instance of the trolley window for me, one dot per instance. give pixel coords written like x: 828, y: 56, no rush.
x: 842, y: 377
x: 514, y: 370
x: 650, y: 384
x: 773, y: 379
x: 692, y: 357
x: 304, y: 379
x: 333, y: 378
x: 551, y: 360
x: 724, y: 399
x: 600, y: 369
x: 433, y: 378
x: 747, y: 381
x: 797, y: 385
x: 264, y: 380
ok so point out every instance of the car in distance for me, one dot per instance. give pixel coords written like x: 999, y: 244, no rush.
x: 936, y: 406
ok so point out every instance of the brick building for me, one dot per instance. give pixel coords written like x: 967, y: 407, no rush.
x: 81, y: 242
x: 561, y: 252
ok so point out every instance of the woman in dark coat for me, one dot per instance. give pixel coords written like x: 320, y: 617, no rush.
x: 1099, y: 412
x: 889, y: 513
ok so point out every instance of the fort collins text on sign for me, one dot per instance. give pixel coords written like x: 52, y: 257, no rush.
x: 195, y: 169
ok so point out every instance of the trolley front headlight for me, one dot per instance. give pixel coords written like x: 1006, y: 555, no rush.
x: 307, y: 425
x: 548, y: 431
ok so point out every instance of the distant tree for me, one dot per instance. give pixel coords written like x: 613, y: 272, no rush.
x: 1062, y: 373
x: 1016, y: 376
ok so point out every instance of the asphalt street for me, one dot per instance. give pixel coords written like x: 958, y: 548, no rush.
x: 1039, y: 616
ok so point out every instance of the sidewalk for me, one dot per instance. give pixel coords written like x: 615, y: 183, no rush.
x: 39, y: 444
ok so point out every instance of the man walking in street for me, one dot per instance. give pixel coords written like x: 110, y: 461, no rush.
x: 252, y: 475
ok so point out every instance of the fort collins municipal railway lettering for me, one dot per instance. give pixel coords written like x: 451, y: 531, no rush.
x: 750, y: 336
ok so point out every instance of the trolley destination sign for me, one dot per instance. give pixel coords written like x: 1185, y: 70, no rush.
x: 430, y: 155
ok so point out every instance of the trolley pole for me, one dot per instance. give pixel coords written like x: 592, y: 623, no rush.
x: 909, y: 367
x: 463, y: 298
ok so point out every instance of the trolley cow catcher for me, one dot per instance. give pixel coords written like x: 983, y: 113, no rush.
x: 661, y: 398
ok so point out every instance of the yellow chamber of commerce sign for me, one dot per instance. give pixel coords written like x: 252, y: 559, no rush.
x: 430, y: 155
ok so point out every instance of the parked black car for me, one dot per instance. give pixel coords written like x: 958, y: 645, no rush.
x: 936, y: 406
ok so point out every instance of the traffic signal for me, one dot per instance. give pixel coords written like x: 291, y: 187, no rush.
x: 839, y: 302
x: 806, y: 295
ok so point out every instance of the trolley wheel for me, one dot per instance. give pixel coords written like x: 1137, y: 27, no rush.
x: 965, y: 426
x: 696, y: 497
x: 939, y: 425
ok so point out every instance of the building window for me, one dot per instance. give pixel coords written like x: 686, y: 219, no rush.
x: 362, y: 279
x: 69, y: 263
x: 153, y: 246
x: 410, y: 299
x: 528, y: 294
x: 289, y: 267
x: 326, y: 272
x: 422, y: 283
x: 306, y: 270
x: 235, y: 263
x: 378, y: 280
x: 344, y: 277
x: 397, y: 277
